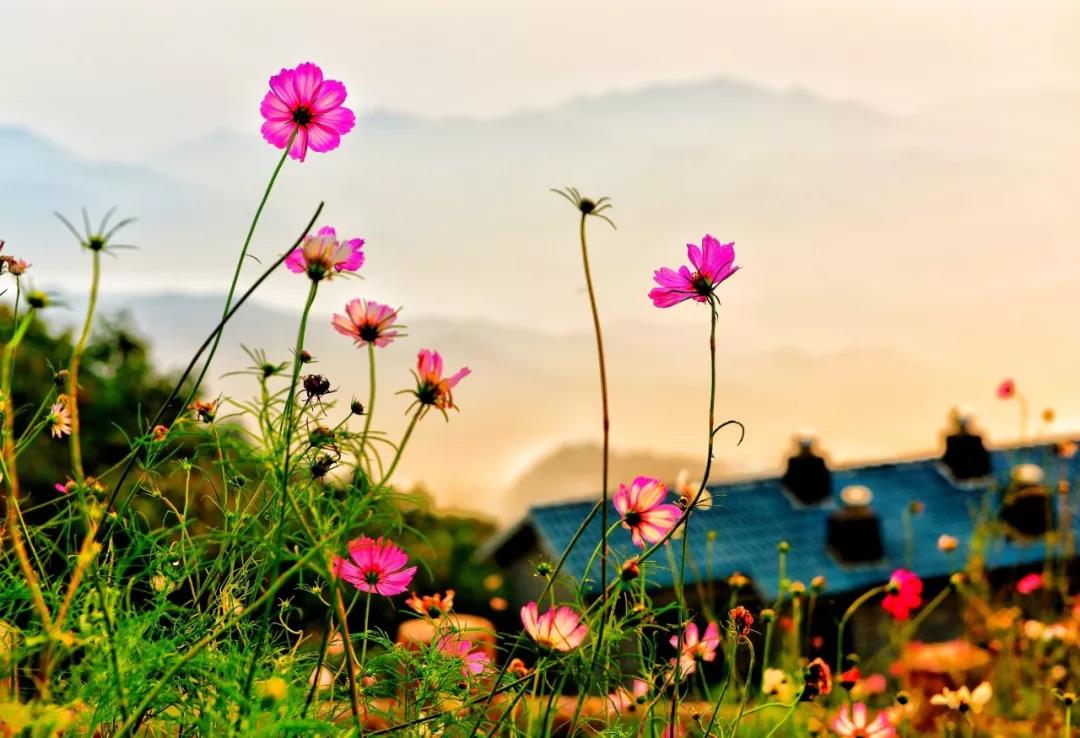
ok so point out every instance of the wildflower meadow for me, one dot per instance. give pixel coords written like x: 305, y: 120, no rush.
x: 177, y: 563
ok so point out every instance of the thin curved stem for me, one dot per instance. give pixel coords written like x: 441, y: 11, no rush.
x: 401, y: 447
x: 73, y: 372
x: 370, y: 409
x: 287, y: 416
x: 240, y: 266
x: 859, y: 602
x: 129, y: 461
x: 690, y: 507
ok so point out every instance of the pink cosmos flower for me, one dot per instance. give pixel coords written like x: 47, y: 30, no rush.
x: 59, y: 418
x: 377, y: 566
x: 856, y: 726
x: 1029, y: 583
x: 558, y: 629
x: 643, y: 510
x: 713, y: 263
x: 322, y: 255
x: 367, y: 321
x: 301, y: 105
x: 695, y: 647
x: 474, y: 661
x: 1006, y: 389
x: 431, y: 387
x: 905, y: 594
x: 627, y: 701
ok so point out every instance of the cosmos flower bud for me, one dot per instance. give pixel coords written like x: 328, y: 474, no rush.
x: 543, y: 569
x: 306, y: 357
x: 768, y: 615
x: 783, y: 547
x: 37, y: 299
x: 316, y: 385
x: 356, y: 407
x: 741, y: 620
x: 817, y: 584
x: 631, y: 570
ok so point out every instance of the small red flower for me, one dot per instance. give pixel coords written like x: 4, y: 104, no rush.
x: 817, y: 680
x: 1007, y: 389
x: 904, y: 594
x: 741, y: 620
x: 1030, y: 583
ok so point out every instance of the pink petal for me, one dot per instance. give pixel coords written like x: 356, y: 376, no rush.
x: 273, y: 108
x: 277, y: 132
x: 340, y: 120
x: 306, y: 81
x: 321, y: 138
x: 300, y: 145
x: 295, y: 261
x: 330, y: 95
x: 282, y: 86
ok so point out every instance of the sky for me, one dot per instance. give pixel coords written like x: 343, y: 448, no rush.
x: 900, y: 179
x: 170, y: 74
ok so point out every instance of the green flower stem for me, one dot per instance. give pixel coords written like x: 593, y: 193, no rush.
x: 276, y: 546
x: 128, y: 726
x: 370, y: 409
x: 787, y: 716
x: 765, y: 649
x: 596, y: 551
x: 367, y: 632
x: 745, y: 696
x: 11, y: 476
x: 352, y: 666
x: 401, y: 447
x: 130, y: 459
x: 728, y: 676
x: 239, y: 267
x: 859, y: 602
x: 73, y: 371
x: 606, y: 424
x: 685, y: 517
x: 1067, y: 732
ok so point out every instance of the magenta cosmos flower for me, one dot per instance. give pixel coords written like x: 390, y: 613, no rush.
x: 696, y: 647
x: 856, y: 726
x: 473, y: 660
x: 306, y: 108
x: 431, y: 387
x: 558, y: 629
x: 643, y: 510
x: 905, y: 594
x: 375, y: 566
x: 1006, y: 389
x: 367, y: 321
x: 712, y: 262
x: 322, y: 255
x: 1029, y: 583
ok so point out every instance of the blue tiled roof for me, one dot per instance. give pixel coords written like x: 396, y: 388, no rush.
x: 750, y: 518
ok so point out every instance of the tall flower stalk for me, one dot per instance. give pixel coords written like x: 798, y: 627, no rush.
x: 596, y: 208
x: 95, y: 242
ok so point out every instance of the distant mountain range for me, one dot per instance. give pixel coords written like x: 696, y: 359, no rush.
x: 893, y: 266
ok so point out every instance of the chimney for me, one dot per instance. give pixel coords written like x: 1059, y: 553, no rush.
x: 854, y: 531
x: 966, y: 458
x: 1026, y: 506
x: 807, y: 477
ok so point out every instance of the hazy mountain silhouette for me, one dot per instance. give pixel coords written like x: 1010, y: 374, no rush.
x: 893, y: 266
